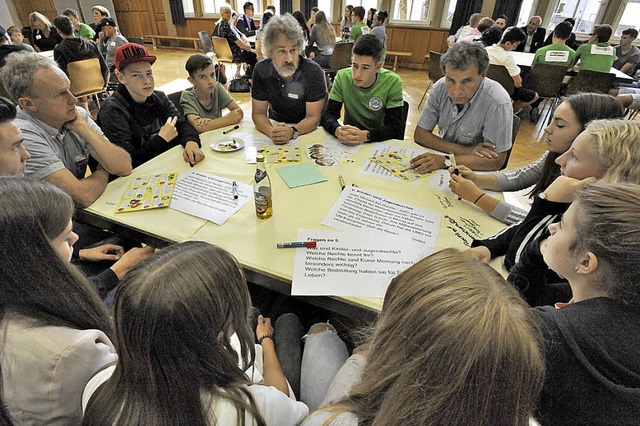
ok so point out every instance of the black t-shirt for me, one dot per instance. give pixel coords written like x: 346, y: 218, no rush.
x: 287, y: 100
x: 46, y: 43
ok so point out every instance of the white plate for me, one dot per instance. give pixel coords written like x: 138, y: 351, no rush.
x: 228, y: 144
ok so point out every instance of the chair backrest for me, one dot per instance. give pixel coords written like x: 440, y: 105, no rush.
x: 86, y: 77
x: 591, y: 82
x: 205, y: 41
x: 341, y: 56
x: 514, y: 135
x: 222, y: 49
x: 500, y: 74
x: 405, y: 115
x: 546, y: 79
x: 136, y: 40
x: 435, y: 72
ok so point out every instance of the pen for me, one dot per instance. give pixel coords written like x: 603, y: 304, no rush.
x: 341, y: 179
x: 234, y: 190
x: 456, y: 171
x: 307, y: 244
x: 236, y: 127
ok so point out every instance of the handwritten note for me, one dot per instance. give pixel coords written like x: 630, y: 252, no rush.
x: 357, y: 208
x: 463, y: 228
x: 351, y: 263
x: 208, y: 197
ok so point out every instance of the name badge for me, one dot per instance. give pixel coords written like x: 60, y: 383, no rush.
x: 113, y: 43
x: 556, y: 56
x: 293, y: 95
x: 366, y: 30
x: 602, y: 50
x: 38, y: 36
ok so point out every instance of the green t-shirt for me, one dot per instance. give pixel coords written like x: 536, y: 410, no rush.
x: 356, y: 31
x: 85, y: 32
x: 596, y: 57
x: 365, y: 108
x: 555, y: 54
x: 220, y: 100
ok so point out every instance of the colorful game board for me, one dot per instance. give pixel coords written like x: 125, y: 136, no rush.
x: 148, y: 192
x: 398, y: 164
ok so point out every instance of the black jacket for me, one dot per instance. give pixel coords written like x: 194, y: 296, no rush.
x: 536, y: 43
x: 247, y: 29
x: 593, y: 367
x: 135, y: 126
x: 511, y: 242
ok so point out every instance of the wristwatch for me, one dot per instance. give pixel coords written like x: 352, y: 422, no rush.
x: 368, y: 136
x: 447, y: 161
x: 295, y: 132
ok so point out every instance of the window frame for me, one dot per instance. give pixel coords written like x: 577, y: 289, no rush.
x: 443, y: 18
x: 618, y: 17
x: 412, y: 23
x: 598, y: 19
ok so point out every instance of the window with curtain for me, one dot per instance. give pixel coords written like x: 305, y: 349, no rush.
x: 586, y: 13
x: 413, y: 12
x: 628, y: 18
x: 447, y: 16
x: 526, y: 12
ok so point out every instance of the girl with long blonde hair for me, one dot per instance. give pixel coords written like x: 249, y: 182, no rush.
x: 324, y: 36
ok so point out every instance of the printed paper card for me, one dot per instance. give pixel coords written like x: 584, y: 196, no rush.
x: 397, y: 163
x: 148, y: 192
x: 327, y: 156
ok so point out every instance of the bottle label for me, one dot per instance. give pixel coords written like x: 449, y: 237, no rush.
x: 260, y: 174
x: 262, y: 203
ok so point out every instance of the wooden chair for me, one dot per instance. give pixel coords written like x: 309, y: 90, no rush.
x: 341, y: 58
x: 591, y: 82
x: 207, y: 44
x: 435, y: 73
x: 86, y: 78
x: 500, y: 74
x: 223, y: 53
x: 546, y: 80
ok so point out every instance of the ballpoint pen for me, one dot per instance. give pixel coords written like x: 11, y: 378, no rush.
x: 341, y: 180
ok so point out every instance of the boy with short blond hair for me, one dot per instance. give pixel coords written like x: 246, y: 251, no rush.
x: 204, y: 103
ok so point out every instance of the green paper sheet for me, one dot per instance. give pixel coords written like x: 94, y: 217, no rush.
x: 301, y: 174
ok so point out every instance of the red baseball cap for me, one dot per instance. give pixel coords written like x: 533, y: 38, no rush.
x: 130, y: 53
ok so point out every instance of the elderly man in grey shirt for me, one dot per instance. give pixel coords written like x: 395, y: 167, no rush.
x: 473, y: 114
x: 59, y: 136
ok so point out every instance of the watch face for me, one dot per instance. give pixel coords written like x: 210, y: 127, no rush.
x: 447, y: 163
